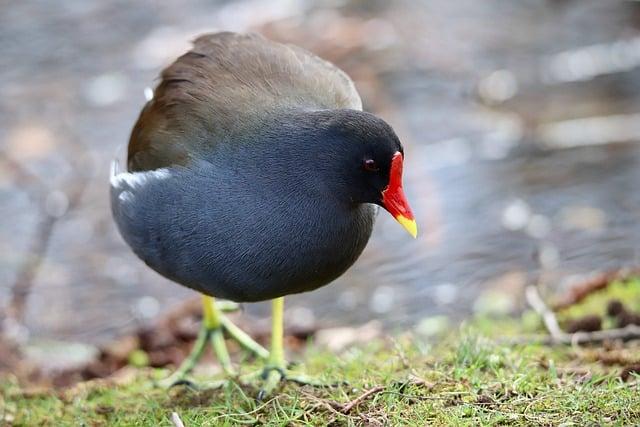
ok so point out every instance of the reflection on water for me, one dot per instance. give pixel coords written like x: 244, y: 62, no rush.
x: 520, y: 140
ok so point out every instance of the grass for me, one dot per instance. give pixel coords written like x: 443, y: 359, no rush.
x: 474, y: 376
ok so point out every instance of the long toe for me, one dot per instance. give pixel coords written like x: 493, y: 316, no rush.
x: 312, y: 381
x: 242, y: 338
x: 170, y: 382
x: 189, y: 362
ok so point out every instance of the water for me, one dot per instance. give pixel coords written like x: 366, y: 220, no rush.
x: 504, y: 182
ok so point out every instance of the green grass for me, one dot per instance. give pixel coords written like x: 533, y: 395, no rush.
x: 469, y: 380
x: 473, y: 376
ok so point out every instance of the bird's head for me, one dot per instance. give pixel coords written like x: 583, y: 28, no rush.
x: 367, y: 159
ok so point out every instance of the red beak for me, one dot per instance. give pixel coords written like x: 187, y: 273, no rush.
x: 394, y: 200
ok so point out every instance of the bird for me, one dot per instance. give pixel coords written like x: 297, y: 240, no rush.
x: 253, y: 173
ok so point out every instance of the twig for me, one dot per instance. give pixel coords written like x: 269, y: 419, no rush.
x: 548, y: 317
x: 593, y: 284
x: 627, y: 333
x: 559, y: 337
x: 175, y: 419
x: 331, y: 406
x: 350, y: 405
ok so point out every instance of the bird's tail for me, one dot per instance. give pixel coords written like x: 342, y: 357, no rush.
x: 115, y: 169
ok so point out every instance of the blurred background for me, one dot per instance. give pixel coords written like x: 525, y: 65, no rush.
x: 520, y: 121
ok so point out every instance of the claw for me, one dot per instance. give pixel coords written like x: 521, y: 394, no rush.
x: 185, y: 382
x: 271, y: 381
x: 262, y: 394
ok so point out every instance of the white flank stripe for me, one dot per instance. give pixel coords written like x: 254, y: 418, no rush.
x: 135, y: 179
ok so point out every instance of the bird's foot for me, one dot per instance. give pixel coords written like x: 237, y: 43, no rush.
x: 272, y: 376
x: 244, y: 339
x: 179, y: 376
x: 215, y: 337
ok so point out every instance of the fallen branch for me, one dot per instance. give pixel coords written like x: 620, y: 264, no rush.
x: 625, y: 334
x: 344, y: 408
x: 557, y: 336
x: 350, y: 405
x: 548, y: 317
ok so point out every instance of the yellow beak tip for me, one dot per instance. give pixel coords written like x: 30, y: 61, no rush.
x: 409, y: 225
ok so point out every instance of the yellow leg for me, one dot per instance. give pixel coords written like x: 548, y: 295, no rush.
x: 212, y: 322
x: 275, y: 369
x: 210, y: 314
x: 276, y: 357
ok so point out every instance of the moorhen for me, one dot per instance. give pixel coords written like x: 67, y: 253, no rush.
x: 252, y: 174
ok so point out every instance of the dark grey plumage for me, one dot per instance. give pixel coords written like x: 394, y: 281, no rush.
x: 245, y: 173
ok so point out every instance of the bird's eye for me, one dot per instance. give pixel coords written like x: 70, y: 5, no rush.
x: 370, y: 165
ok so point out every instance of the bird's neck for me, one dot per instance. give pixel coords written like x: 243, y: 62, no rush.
x: 291, y: 154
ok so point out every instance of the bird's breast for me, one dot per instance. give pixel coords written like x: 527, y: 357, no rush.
x: 234, y: 239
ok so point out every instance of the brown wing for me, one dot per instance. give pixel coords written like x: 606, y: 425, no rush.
x: 225, y: 87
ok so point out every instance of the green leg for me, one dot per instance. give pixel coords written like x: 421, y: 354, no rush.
x: 211, y: 331
x: 190, y: 362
